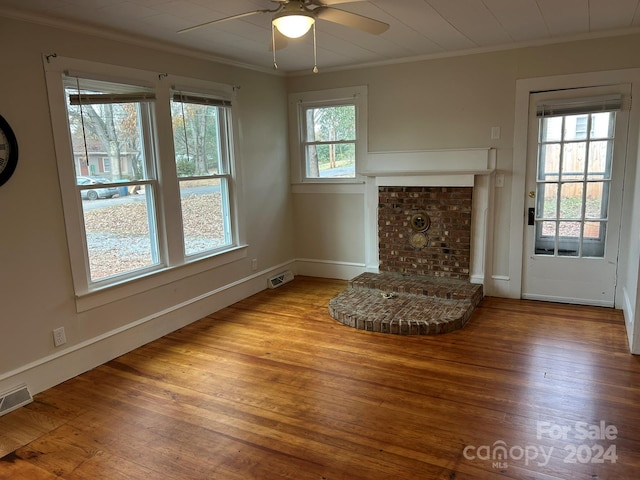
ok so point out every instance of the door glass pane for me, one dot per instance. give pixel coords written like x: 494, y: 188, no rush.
x: 569, y: 229
x: 595, y: 207
x: 593, y: 230
x: 547, y: 200
x: 549, y: 168
x: 574, y: 168
x: 545, y: 238
x: 550, y: 129
x: 571, y: 200
x: 573, y: 161
x: 575, y: 127
x: 602, y: 125
x: 600, y: 154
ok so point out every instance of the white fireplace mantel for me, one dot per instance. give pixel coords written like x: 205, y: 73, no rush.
x: 434, y: 168
x: 469, y: 161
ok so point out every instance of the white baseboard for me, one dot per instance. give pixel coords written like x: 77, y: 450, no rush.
x: 65, y: 364
x: 329, y: 269
x: 576, y: 301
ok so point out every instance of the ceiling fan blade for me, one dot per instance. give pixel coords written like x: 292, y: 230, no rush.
x: 352, y: 20
x: 232, y: 17
x: 323, y: 3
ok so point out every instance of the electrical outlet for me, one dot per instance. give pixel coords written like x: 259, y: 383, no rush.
x: 254, y: 264
x: 59, y: 337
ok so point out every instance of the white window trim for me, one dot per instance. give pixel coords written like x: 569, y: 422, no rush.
x: 356, y: 95
x: 178, y: 266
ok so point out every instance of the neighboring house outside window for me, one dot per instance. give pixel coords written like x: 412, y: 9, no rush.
x: 135, y: 214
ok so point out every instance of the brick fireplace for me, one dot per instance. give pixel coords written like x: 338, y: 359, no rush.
x: 427, y: 219
x: 447, y: 251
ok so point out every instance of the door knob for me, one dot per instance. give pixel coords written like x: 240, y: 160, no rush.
x: 532, y: 194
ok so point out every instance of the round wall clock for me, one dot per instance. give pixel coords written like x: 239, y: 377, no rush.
x: 8, y: 151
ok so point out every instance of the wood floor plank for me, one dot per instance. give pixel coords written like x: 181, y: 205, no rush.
x: 272, y: 387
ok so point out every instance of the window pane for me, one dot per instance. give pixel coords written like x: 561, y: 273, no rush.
x: 199, y: 145
x: 120, y: 235
x: 331, y: 160
x: 107, y: 139
x: 330, y: 124
x: 571, y: 200
x: 205, y: 218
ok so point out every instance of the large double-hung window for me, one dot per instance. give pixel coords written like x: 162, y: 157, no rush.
x: 113, y: 160
x: 147, y: 175
x: 203, y: 150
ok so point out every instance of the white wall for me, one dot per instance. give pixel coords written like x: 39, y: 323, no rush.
x: 36, y: 292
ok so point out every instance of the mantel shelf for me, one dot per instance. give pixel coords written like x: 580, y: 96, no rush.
x: 472, y: 161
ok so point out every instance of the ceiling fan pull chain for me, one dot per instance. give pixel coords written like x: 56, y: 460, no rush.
x: 273, y: 45
x: 315, y: 50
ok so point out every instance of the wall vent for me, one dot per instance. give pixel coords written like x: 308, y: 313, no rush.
x: 280, y: 279
x: 14, y: 398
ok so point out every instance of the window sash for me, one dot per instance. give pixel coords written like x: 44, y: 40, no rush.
x: 208, y: 242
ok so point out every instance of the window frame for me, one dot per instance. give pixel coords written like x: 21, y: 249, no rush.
x: 299, y: 102
x: 174, y: 264
x: 225, y: 166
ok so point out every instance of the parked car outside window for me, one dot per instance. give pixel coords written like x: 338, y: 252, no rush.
x: 95, y: 193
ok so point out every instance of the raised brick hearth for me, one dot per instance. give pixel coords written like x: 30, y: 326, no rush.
x: 424, y: 251
x: 405, y: 304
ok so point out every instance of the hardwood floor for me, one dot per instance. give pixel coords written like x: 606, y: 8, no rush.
x: 272, y: 387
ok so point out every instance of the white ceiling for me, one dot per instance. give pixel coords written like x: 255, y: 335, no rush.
x: 418, y: 28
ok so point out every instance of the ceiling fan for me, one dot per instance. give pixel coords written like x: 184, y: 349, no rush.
x: 294, y: 18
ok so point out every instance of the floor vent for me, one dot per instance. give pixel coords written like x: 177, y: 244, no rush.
x: 280, y: 279
x: 15, y: 398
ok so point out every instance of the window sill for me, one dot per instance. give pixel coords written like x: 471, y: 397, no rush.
x: 105, y: 295
x: 354, y: 187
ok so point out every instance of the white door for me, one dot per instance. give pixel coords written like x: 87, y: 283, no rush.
x: 576, y: 156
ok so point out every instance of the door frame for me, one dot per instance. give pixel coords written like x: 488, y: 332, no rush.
x: 524, y: 88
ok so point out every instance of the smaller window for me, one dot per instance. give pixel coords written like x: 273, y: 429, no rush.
x: 330, y: 141
x: 330, y: 134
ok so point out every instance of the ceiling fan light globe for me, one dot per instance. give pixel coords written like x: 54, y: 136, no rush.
x: 293, y: 25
